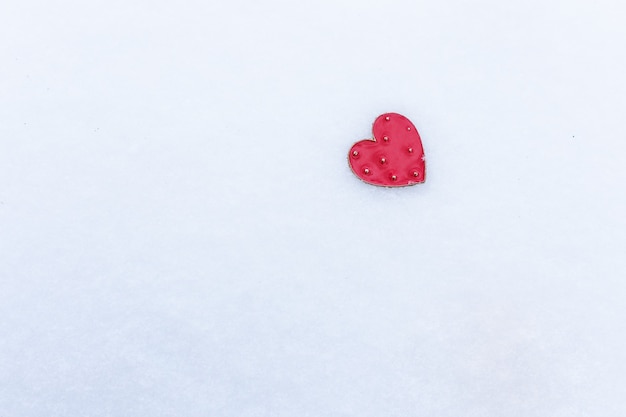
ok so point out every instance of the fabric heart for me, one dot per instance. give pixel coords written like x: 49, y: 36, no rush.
x: 394, y: 158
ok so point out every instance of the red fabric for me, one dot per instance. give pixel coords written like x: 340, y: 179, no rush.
x: 394, y: 158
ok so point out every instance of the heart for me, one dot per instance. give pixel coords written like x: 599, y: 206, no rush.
x: 394, y: 157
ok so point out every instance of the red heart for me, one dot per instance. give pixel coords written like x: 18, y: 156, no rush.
x: 394, y: 158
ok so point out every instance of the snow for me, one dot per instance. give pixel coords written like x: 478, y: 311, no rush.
x: 181, y: 235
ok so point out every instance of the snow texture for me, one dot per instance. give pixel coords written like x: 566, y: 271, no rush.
x: 181, y: 235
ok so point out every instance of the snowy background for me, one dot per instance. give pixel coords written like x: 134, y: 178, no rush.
x: 181, y: 235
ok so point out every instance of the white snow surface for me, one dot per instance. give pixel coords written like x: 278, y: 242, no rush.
x: 181, y: 235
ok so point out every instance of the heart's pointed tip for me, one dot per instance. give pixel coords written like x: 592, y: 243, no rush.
x: 371, y: 177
